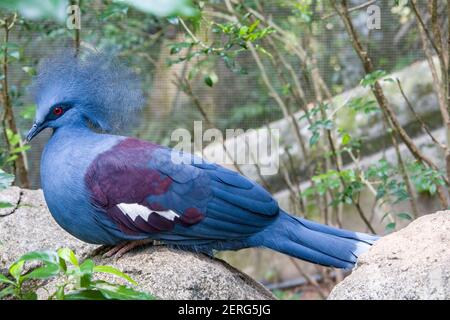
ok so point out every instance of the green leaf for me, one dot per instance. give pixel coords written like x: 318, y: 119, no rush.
x: 87, y: 269
x: 87, y: 266
x: 60, y: 294
x: 12, y: 158
x: 116, y: 272
x: 16, y: 269
x: 390, y: 227
x: 346, y: 138
x: 30, y: 295
x: 85, y: 295
x: 371, y: 78
x: 8, y: 291
x: 253, y: 26
x: 9, y: 46
x: 314, y: 138
x: 328, y: 124
x: 243, y: 30
x: 45, y: 256
x: 47, y: 271
x: 20, y: 149
x: 404, y: 216
x: 363, y: 104
x: 114, y: 9
x: 13, y: 138
x: 68, y: 255
x: 211, y: 79
x: 14, y: 54
x: 175, y: 50
x: 29, y: 70
x: 4, y: 279
x: 4, y: 205
x: 120, y: 292
x: 433, y: 189
x: 63, y: 265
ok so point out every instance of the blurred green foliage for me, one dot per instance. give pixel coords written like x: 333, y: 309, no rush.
x: 75, y: 280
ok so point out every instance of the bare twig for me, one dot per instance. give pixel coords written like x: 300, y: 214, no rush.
x: 310, y: 279
x: 197, y: 40
x: 436, y: 27
x: 274, y: 94
x: 355, y: 8
x: 418, y: 118
x: 422, y: 23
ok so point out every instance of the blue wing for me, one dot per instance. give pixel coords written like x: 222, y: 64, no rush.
x: 207, y: 202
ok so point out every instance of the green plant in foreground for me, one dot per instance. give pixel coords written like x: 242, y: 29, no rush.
x: 75, y: 281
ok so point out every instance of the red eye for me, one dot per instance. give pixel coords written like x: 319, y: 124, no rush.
x: 58, y: 111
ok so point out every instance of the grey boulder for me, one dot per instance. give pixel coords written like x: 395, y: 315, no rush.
x: 413, y: 263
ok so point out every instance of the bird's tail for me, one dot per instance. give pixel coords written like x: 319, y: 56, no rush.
x: 313, y: 241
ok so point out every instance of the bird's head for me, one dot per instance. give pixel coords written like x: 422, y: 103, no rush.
x: 92, y: 89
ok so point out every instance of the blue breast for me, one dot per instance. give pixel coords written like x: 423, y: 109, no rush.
x: 64, y: 163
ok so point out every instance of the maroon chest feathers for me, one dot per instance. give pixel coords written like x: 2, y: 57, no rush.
x: 123, y: 174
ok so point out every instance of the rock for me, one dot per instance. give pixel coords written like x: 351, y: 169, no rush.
x: 413, y: 263
x: 163, y: 272
x: 174, y: 274
x: 28, y: 226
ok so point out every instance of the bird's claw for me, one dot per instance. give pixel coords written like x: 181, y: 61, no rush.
x: 100, y: 250
x: 119, y: 250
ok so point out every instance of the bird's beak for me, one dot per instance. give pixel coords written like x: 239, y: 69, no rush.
x: 34, y: 131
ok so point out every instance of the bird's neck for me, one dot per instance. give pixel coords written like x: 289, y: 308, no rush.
x: 73, y: 130
x: 77, y: 127
x: 71, y: 138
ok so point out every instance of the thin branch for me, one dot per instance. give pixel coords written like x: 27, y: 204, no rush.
x: 297, y: 180
x: 274, y: 94
x: 418, y: 118
x: 194, y: 37
x: 310, y: 279
x: 436, y: 28
x: 422, y: 23
x: 355, y: 8
x: 404, y: 174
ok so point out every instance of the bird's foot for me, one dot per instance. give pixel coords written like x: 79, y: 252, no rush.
x: 122, y: 248
x: 100, y: 250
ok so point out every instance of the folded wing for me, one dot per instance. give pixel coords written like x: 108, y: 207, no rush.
x: 145, y: 190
